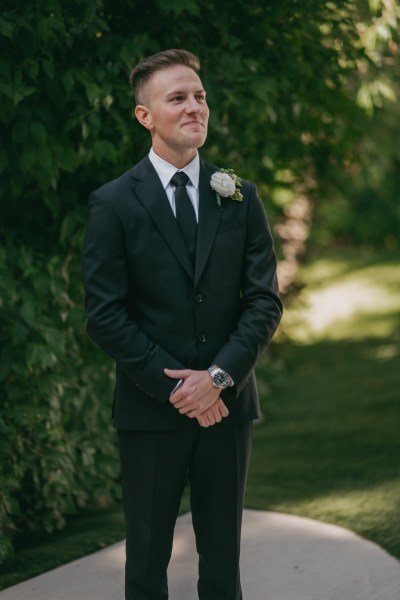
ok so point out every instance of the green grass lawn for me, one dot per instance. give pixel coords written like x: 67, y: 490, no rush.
x: 328, y: 446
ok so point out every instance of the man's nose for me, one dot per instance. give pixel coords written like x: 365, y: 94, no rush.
x: 192, y: 105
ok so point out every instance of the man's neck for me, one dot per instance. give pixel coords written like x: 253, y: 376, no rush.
x: 178, y: 159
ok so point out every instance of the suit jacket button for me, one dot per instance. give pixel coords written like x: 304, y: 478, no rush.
x: 202, y: 338
x: 198, y: 298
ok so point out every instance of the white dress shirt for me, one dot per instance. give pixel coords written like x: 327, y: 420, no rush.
x: 166, y: 171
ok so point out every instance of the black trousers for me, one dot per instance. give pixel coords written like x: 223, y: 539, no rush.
x: 154, y: 469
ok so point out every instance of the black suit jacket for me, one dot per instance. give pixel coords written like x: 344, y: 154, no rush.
x: 148, y: 308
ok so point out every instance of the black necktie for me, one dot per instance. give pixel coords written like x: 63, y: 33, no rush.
x: 185, y: 214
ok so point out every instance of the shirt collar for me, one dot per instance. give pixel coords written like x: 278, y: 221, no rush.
x: 166, y: 171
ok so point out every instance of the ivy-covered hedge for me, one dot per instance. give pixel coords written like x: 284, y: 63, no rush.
x: 57, y: 451
x: 276, y: 78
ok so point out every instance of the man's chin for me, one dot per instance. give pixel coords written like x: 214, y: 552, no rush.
x: 196, y: 141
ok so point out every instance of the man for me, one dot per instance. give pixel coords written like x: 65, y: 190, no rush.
x: 181, y: 291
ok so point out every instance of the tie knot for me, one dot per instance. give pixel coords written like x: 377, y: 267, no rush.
x: 179, y: 179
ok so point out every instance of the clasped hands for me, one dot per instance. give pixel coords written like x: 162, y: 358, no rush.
x: 197, y: 398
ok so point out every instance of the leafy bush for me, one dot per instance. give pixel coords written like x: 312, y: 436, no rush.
x: 56, y: 442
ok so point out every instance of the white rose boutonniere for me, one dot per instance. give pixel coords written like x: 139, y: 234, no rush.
x: 227, y: 185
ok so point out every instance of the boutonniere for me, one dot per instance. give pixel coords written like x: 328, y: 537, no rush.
x: 226, y: 184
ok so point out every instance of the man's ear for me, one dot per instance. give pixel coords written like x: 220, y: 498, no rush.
x: 143, y: 116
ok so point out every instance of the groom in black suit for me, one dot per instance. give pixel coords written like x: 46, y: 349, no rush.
x: 181, y: 292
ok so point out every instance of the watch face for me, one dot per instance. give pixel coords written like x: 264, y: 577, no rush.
x: 220, y: 379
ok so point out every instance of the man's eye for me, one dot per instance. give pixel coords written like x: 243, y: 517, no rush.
x: 177, y: 99
x: 201, y: 97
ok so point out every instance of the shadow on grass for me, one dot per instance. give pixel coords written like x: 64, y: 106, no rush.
x: 84, y: 534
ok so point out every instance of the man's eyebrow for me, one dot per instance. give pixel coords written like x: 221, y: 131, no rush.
x: 178, y: 92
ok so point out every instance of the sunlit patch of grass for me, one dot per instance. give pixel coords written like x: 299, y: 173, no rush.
x: 345, y: 298
x: 383, y: 351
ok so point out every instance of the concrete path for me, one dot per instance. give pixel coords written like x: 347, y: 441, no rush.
x: 283, y: 558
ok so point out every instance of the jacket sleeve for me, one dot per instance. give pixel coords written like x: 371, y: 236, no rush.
x: 107, y: 294
x: 261, y: 305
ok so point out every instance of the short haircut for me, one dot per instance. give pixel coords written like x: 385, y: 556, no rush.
x: 162, y: 60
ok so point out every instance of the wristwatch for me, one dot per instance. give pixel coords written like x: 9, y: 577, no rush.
x: 220, y: 378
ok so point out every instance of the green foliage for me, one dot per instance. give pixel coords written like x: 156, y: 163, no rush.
x: 360, y: 194
x: 277, y: 76
x: 55, y: 435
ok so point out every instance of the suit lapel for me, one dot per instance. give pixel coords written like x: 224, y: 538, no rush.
x: 209, y: 216
x: 147, y: 187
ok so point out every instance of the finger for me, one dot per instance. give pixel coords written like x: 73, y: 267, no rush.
x: 217, y: 418
x: 183, y: 407
x: 182, y: 400
x: 210, y: 418
x: 202, y: 421
x: 185, y: 411
x: 179, y: 402
x: 194, y: 412
x: 200, y: 409
x: 222, y: 408
x: 181, y: 396
x: 217, y: 415
x: 177, y: 373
